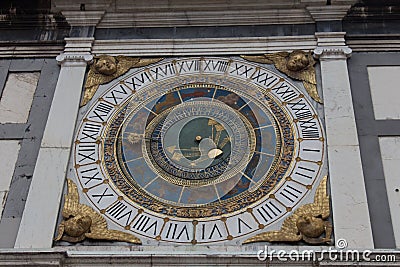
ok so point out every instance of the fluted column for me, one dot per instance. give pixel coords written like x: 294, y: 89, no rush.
x: 43, y: 202
x: 349, y: 200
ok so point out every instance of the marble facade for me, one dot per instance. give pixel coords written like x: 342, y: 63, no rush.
x: 17, y: 97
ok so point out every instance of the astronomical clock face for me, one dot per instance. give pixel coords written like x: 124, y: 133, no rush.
x: 198, y: 150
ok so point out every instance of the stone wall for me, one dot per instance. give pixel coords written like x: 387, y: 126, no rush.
x: 27, y: 87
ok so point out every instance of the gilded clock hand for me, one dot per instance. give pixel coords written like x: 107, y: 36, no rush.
x: 224, y: 142
x: 193, y: 149
x: 219, y: 128
x: 151, y: 139
x: 214, y: 153
x: 211, y: 123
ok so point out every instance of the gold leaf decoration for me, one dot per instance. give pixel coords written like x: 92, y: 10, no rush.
x: 81, y: 221
x: 106, y: 68
x: 298, y: 65
x: 307, y: 223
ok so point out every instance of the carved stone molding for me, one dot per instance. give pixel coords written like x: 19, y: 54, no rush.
x: 226, y: 17
x: 322, y: 2
x: 126, y: 14
x: 331, y: 45
x: 126, y: 256
x: 77, y: 52
x: 83, y: 18
x: 60, y: 5
x: 62, y: 59
x: 332, y: 52
x: 203, y: 46
x: 328, y: 13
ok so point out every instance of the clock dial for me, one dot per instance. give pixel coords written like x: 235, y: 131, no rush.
x: 199, y: 150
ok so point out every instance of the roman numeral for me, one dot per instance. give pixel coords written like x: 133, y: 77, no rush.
x: 269, y: 211
x: 304, y: 172
x: 211, y: 65
x: 119, y: 211
x: 91, y: 174
x: 115, y: 95
x: 101, y: 111
x: 300, y: 109
x: 309, y: 128
x: 138, y: 80
x: 263, y: 77
x: 241, y: 223
x: 184, y: 66
x: 214, y: 230
x: 143, y: 224
x: 102, y: 195
x: 290, y: 193
x: 285, y: 92
x: 163, y: 71
x: 86, y: 152
x: 242, y: 70
x: 210, y: 231
x: 173, y: 232
x: 91, y: 131
x: 311, y: 150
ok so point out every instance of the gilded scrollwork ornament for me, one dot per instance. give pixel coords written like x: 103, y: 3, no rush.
x: 307, y: 223
x: 298, y: 65
x: 106, y: 68
x: 81, y: 221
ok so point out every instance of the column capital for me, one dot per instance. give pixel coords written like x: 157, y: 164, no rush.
x: 77, y: 52
x: 331, y: 45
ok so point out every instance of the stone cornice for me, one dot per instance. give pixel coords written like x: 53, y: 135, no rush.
x: 324, y: 2
x: 251, y: 45
x: 125, y: 255
x: 331, y: 45
x: 76, y: 5
x: 328, y: 13
x: 83, y: 18
x: 125, y: 14
x: 203, y: 46
x: 374, y: 42
x: 182, y: 18
x: 30, y: 49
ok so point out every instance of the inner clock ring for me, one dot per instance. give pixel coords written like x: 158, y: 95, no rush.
x: 128, y: 138
x: 199, y: 142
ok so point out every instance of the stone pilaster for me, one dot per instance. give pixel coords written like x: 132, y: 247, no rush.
x: 349, y: 200
x: 42, y: 205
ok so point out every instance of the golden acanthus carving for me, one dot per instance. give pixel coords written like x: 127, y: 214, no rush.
x: 307, y: 223
x: 298, y: 65
x: 106, y: 68
x: 81, y: 221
